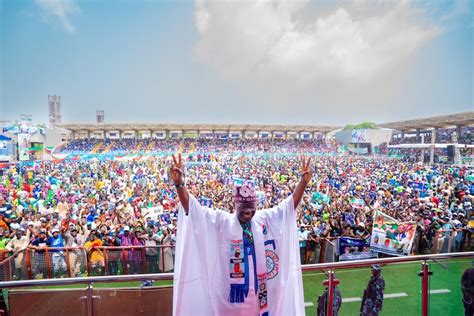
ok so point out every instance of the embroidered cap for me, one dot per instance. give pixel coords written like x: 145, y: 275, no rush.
x: 244, y: 194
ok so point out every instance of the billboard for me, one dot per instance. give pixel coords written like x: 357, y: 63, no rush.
x: 359, y: 136
x: 23, y: 146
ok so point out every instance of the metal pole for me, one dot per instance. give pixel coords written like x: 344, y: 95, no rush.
x: 330, y: 299
x: 28, y: 263
x: 124, y: 262
x: 425, y: 288
x: 162, y: 259
x: 68, y: 263
x: 143, y: 260
x: 89, y: 299
x: 48, y: 263
x: 106, y: 261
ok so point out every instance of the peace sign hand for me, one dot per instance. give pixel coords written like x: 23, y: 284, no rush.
x: 306, y: 170
x: 176, y: 171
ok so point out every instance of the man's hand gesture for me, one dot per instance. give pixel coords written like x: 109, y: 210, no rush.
x: 306, y: 170
x: 176, y: 171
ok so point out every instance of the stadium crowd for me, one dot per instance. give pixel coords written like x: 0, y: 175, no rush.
x: 203, y: 145
x: 443, y: 136
x: 93, y: 203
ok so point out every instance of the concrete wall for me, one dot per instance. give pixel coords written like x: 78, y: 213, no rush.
x: 54, y: 136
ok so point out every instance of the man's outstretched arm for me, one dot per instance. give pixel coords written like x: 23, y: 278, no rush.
x: 306, y: 175
x: 177, y: 175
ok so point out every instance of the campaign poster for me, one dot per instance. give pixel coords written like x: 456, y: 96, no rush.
x: 355, y: 249
x: 390, y: 236
x: 23, y: 146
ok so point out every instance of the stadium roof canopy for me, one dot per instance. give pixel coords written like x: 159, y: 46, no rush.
x: 194, y: 127
x: 442, y: 121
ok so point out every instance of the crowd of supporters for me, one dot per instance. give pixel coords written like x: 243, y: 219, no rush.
x: 443, y: 136
x: 117, y: 202
x: 197, y: 145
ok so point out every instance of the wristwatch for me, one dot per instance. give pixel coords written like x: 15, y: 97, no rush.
x: 181, y: 185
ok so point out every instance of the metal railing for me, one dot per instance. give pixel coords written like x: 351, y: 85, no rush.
x: 49, y: 262
x: 327, y: 267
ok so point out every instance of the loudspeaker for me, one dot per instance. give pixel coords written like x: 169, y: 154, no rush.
x: 450, y: 151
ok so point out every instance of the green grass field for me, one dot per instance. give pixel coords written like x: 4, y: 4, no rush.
x: 399, y: 278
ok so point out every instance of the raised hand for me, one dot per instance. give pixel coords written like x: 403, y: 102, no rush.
x: 306, y: 170
x: 177, y: 171
x: 306, y: 175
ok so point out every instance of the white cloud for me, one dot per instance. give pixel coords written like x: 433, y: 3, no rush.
x: 297, y: 44
x: 59, y: 11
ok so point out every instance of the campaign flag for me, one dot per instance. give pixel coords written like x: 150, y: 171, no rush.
x: 355, y: 249
x: 392, y: 237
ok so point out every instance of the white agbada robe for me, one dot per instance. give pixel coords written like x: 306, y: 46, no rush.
x: 202, y: 269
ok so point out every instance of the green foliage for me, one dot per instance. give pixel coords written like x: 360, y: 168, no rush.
x: 363, y: 125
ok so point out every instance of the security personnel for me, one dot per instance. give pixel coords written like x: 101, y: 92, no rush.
x: 323, y: 301
x: 467, y: 287
x: 372, y: 301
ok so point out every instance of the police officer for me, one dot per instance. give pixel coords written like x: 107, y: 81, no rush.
x: 372, y: 301
x: 323, y: 301
x: 467, y: 286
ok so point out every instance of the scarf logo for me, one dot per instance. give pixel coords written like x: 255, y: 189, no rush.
x: 273, y: 264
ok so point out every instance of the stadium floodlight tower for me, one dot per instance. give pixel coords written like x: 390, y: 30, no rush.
x: 100, y: 116
x: 54, y: 110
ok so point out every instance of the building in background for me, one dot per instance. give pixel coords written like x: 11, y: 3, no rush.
x: 54, y: 110
x: 100, y: 116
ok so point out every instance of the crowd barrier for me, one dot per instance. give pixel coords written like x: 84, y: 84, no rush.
x: 57, y: 262
x: 46, y: 263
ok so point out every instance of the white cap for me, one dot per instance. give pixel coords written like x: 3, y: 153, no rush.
x: 55, y: 230
x: 126, y: 228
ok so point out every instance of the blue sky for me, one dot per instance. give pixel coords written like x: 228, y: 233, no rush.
x: 296, y: 62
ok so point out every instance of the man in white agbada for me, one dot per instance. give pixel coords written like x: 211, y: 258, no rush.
x: 246, y: 263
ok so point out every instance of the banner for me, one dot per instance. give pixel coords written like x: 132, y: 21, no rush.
x: 355, y: 249
x: 23, y: 146
x: 391, y: 236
